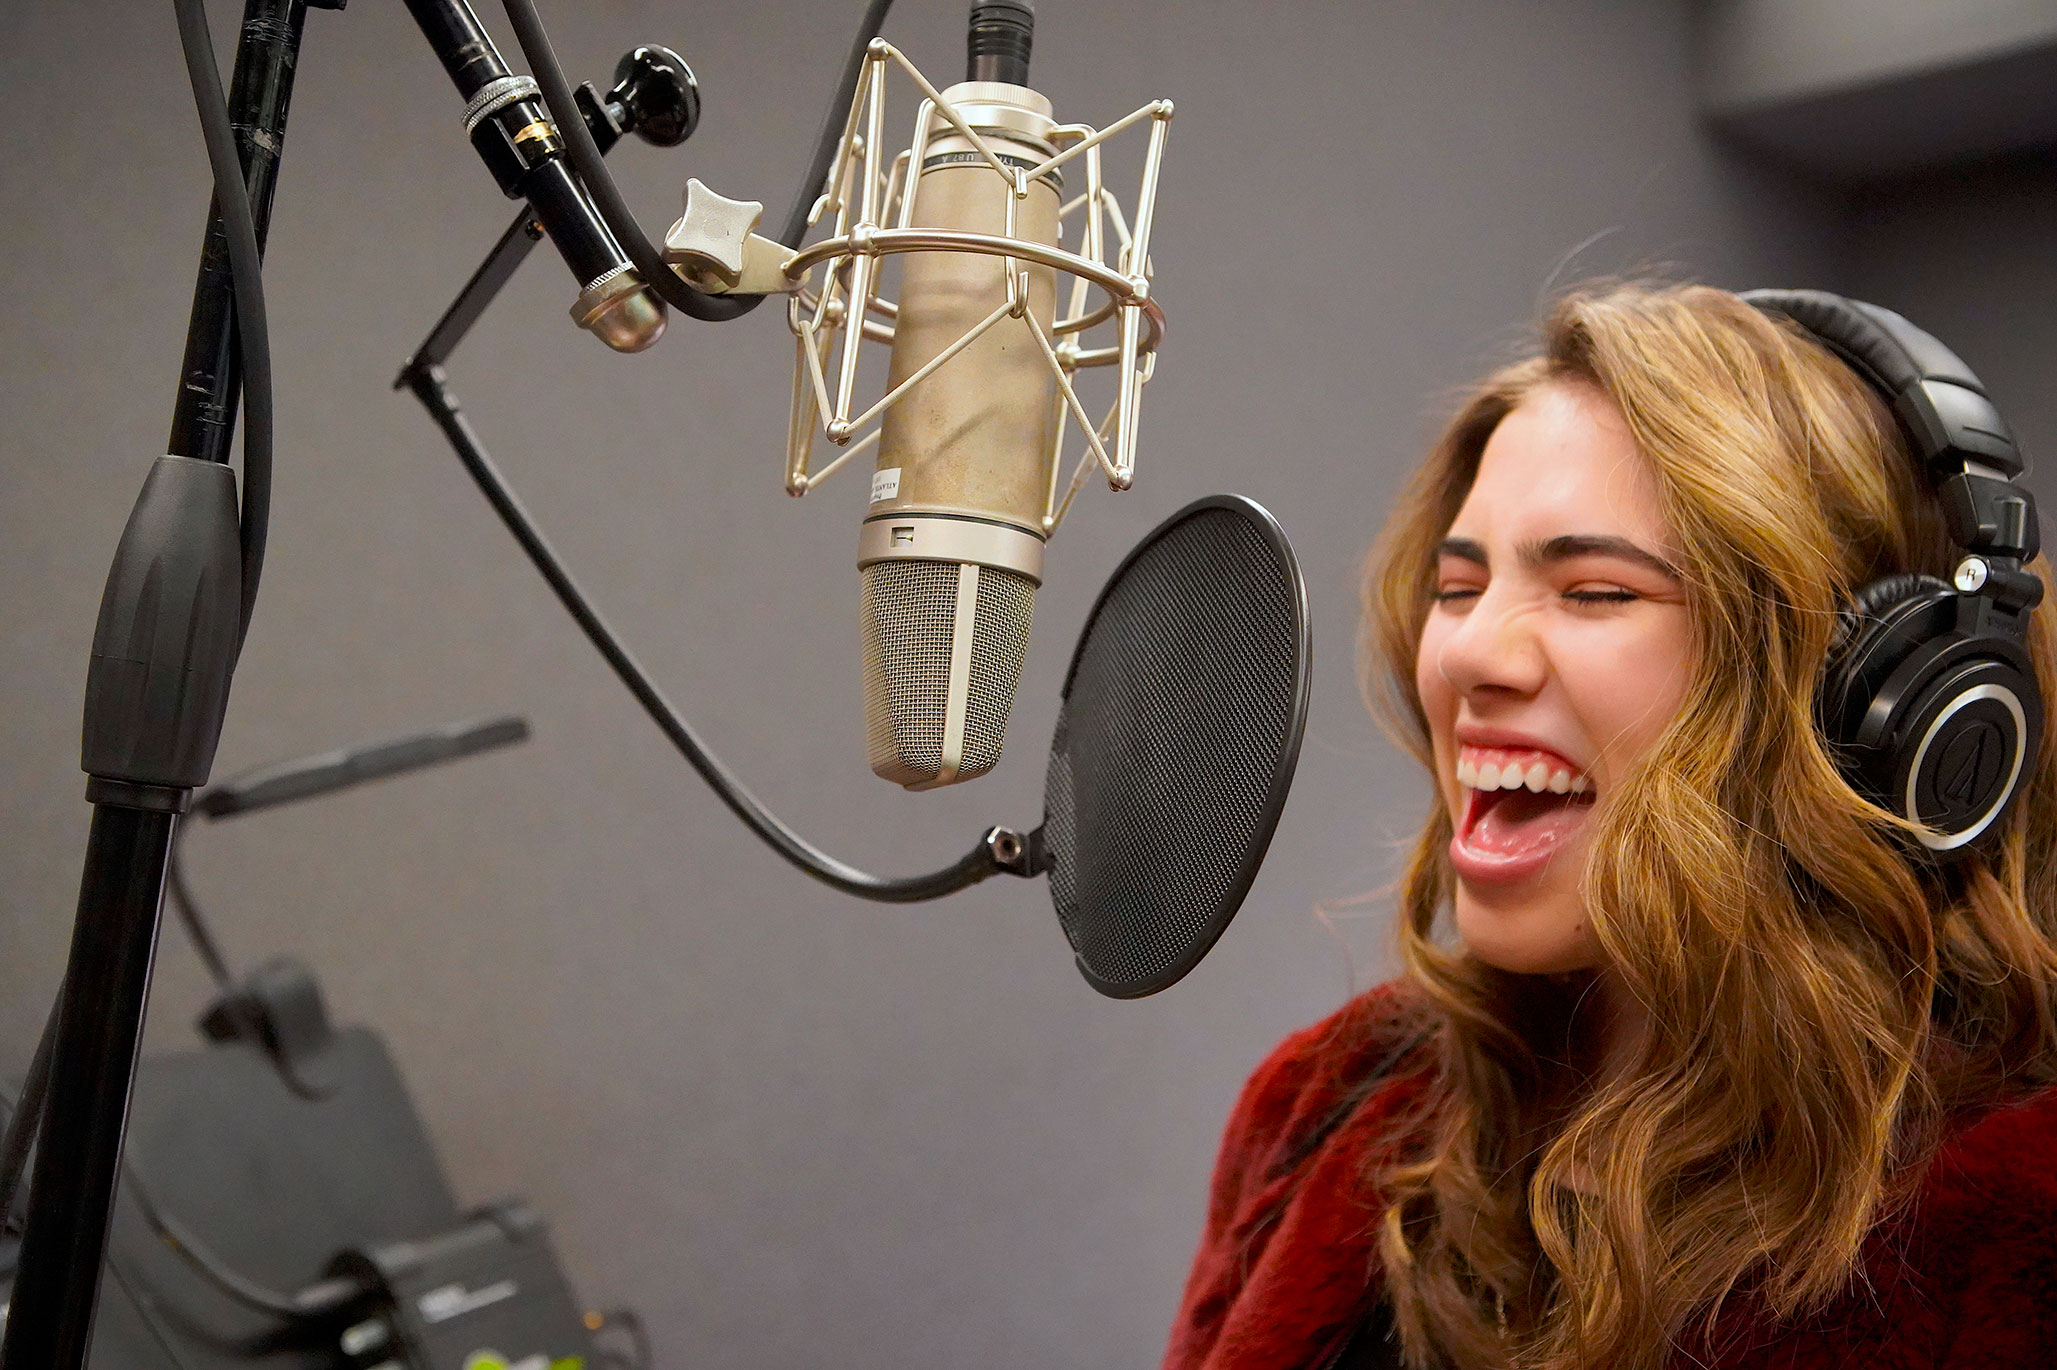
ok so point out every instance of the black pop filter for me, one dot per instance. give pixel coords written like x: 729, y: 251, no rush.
x: 1176, y: 740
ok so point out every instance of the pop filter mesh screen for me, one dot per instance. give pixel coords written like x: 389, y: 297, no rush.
x: 1175, y: 745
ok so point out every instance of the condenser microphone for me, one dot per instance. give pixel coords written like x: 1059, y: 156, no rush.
x: 951, y: 548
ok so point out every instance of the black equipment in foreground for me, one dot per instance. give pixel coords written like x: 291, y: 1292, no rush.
x: 302, y: 1220
x: 277, y: 1008
x: 338, y: 1199
x: 484, y: 1294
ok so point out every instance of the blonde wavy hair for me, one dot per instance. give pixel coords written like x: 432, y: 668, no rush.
x: 1821, y: 1002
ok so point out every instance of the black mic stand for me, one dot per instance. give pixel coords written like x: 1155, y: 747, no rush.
x: 164, y: 650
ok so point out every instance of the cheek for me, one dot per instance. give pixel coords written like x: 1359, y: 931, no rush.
x: 1626, y: 687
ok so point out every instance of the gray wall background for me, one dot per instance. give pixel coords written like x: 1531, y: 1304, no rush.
x: 793, y: 1129
x: 1971, y: 254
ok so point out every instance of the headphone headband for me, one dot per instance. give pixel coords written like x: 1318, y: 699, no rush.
x: 1940, y: 405
x: 1953, y: 431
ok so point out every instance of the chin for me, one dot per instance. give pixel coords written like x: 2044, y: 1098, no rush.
x: 1525, y: 936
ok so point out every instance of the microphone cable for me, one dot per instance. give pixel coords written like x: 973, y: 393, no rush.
x: 144, y: 1301
x: 180, y: 896
x: 813, y: 187
x: 246, y: 266
x: 24, y: 1113
x: 607, y: 197
x: 320, y: 1299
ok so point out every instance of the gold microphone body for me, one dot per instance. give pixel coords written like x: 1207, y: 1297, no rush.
x: 951, y: 549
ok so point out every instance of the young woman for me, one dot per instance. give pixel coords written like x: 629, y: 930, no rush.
x: 1722, y: 1065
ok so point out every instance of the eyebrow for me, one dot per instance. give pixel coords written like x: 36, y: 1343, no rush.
x: 1536, y: 554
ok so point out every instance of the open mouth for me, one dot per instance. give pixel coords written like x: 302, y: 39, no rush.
x: 1519, y: 808
x: 1503, y: 820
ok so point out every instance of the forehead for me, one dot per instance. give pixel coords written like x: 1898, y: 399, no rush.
x: 1561, y: 462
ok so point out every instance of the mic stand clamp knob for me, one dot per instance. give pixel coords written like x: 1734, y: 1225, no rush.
x: 713, y: 247
x: 656, y: 89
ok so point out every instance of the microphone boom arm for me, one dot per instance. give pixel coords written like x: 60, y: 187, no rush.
x: 999, y: 849
x: 590, y: 162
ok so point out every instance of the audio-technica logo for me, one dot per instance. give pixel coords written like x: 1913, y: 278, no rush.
x: 1969, y: 768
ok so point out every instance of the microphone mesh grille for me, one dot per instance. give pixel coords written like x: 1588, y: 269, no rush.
x: 909, y: 621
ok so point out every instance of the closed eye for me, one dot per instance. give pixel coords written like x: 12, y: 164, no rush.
x: 1616, y: 596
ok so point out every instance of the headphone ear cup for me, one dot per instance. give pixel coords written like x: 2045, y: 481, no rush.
x: 1876, y: 631
x: 1934, y: 724
x: 1871, y: 605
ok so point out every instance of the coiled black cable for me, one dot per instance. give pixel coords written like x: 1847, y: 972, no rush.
x: 22, y: 1120
x: 320, y: 1299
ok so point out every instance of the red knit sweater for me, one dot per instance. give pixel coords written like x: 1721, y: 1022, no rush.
x: 1967, y: 1279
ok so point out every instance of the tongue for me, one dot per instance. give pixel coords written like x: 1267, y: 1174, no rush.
x: 1520, y: 820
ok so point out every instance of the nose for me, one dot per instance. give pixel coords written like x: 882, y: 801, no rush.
x: 1494, y: 650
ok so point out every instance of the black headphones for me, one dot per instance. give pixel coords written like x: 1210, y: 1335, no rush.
x: 1930, y: 702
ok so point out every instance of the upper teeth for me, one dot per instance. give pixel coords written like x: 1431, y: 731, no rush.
x: 1513, y: 775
